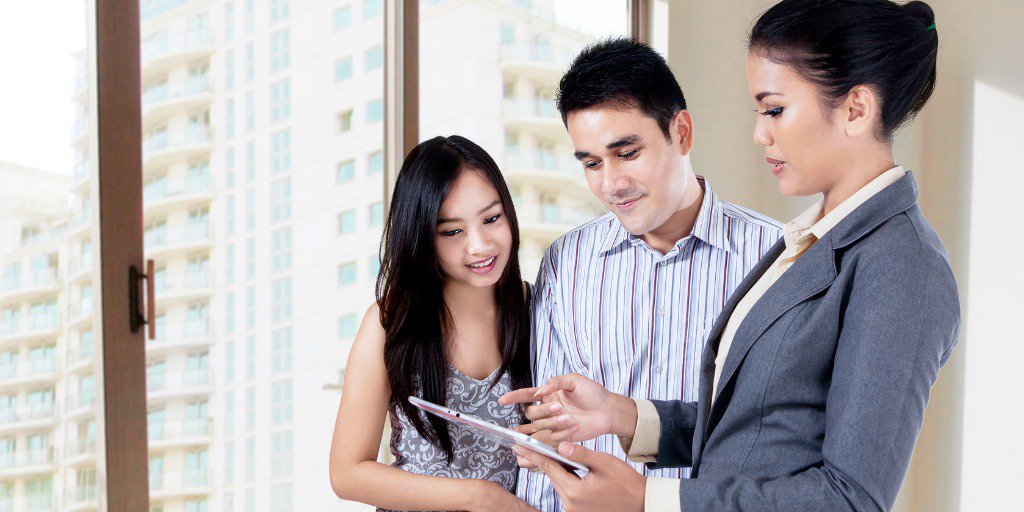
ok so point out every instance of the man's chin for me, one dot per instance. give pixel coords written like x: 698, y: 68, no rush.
x: 634, y: 226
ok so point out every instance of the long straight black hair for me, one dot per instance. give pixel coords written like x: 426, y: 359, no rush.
x: 410, y: 287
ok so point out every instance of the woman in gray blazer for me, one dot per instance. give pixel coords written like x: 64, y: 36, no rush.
x: 816, y: 375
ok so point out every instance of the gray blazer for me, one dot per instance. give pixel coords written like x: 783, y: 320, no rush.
x: 824, y: 387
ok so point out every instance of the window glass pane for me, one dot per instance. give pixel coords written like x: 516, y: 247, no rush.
x: 343, y: 69
x: 292, y: 112
x: 342, y: 18
x: 50, y: 396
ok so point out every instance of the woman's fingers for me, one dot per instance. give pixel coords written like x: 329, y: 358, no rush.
x: 525, y: 464
x: 546, y: 410
x: 565, y: 434
x: 555, y: 423
x: 524, y: 395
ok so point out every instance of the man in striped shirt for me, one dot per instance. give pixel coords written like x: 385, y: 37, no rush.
x: 628, y: 298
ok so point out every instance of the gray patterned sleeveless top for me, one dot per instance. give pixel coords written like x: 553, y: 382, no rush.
x: 474, y: 456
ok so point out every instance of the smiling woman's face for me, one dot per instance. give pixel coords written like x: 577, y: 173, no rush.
x: 806, y: 146
x: 474, y: 240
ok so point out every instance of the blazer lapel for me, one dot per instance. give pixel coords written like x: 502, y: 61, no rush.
x: 707, y: 365
x: 813, y: 272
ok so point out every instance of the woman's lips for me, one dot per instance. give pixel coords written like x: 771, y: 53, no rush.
x: 484, y: 266
x: 777, y: 165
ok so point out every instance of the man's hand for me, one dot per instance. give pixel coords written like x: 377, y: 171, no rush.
x: 574, y: 408
x: 610, y: 485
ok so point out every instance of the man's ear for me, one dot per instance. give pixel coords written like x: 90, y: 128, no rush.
x: 681, y: 128
x: 860, y: 111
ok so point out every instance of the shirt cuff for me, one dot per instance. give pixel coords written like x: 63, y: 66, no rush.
x: 662, y: 495
x: 643, y: 447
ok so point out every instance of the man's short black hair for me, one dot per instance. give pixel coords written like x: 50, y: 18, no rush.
x: 624, y: 72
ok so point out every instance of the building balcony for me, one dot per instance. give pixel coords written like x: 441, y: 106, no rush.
x: 161, y: 100
x: 80, y: 498
x: 180, y: 335
x: 26, y: 462
x: 81, y: 176
x: 27, y: 373
x: 80, y: 357
x: 549, y: 221
x: 534, y: 115
x: 81, y: 450
x: 27, y: 417
x: 81, y: 85
x: 83, y: 126
x: 182, y: 286
x: 164, y: 386
x: 80, y: 312
x: 539, y: 62
x: 78, y: 405
x: 80, y: 268
x: 149, y: 9
x: 184, y: 238
x: 30, y: 285
x: 164, y: 147
x: 189, y: 432
x: 545, y: 169
x: 29, y: 328
x: 79, y: 225
x: 177, y: 484
x: 162, y: 196
x: 38, y: 501
x: 162, y: 52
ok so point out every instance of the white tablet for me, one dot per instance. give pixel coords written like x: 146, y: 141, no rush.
x: 498, y: 434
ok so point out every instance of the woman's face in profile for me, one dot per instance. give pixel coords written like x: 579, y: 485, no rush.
x: 473, y: 237
x: 804, y: 139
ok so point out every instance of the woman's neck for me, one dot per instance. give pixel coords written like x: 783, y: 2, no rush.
x: 854, y: 178
x: 462, y: 299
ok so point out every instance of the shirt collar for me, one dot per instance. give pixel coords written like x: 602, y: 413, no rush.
x: 811, y: 222
x: 709, y: 226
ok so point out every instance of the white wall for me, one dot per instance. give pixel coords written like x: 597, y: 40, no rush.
x: 961, y: 149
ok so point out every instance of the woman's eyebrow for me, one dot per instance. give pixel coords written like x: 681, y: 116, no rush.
x: 762, y: 95
x: 482, y: 210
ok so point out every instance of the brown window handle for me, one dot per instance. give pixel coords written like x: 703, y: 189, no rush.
x: 135, y: 307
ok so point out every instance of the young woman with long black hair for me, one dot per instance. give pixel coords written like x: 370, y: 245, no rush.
x: 450, y: 325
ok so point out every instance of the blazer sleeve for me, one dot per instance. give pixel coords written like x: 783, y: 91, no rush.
x: 678, y: 421
x: 899, y: 325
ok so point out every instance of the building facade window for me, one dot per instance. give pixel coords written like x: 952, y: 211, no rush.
x: 281, y: 150
x: 281, y: 402
x: 373, y: 58
x: 343, y: 69
x: 345, y: 172
x: 280, y: 100
x: 346, y: 274
x: 282, y: 299
x: 347, y: 326
x: 280, y: 50
x: 346, y: 222
x: 281, y: 200
x: 342, y: 17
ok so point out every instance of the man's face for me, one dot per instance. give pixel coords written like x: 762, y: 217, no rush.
x: 636, y: 172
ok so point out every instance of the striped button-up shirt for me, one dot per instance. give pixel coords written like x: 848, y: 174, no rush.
x: 610, y: 307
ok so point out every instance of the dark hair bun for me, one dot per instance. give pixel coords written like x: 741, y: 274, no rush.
x: 921, y: 11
